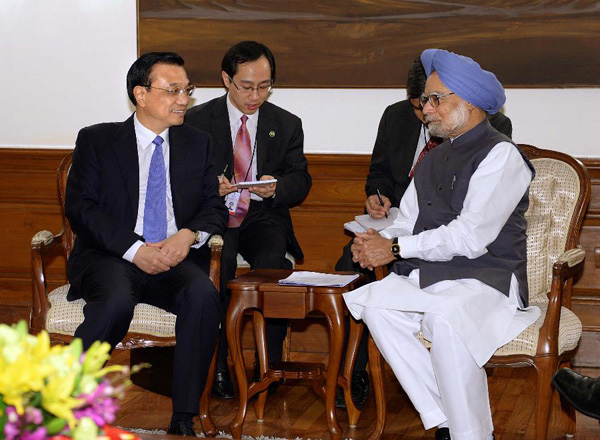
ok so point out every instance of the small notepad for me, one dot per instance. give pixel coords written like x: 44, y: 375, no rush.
x: 306, y: 278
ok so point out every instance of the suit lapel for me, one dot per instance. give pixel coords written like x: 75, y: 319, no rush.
x: 178, y: 154
x: 221, y: 131
x: 266, y: 138
x: 125, y: 149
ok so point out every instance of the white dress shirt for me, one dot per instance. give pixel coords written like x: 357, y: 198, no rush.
x: 145, y: 149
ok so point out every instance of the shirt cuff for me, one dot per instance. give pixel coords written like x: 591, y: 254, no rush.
x: 204, y: 236
x: 408, y: 246
x: 132, y: 251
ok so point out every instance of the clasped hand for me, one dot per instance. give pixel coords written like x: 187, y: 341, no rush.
x: 264, y: 191
x: 154, y: 258
x: 371, y: 249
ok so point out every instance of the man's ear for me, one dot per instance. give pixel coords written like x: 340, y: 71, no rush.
x: 140, y: 93
x: 225, y: 78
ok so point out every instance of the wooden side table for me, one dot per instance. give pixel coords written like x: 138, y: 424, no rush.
x: 259, y: 290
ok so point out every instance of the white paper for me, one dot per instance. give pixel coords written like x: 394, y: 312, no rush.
x: 254, y: 183
x: 379, y: 224
x: 354, y: 227
x: 306, y: 278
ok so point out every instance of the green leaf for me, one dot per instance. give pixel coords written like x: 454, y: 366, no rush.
x: 54, y: 426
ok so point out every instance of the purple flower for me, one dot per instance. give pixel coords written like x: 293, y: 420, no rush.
x: 100, y: 405
x: 38, y: 434
x: 33, y: 415
x: 12, y: 429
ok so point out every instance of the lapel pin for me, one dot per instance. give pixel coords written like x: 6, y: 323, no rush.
x: 272, y: 134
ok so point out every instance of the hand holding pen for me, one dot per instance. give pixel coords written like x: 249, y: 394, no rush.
x: 378, y: 205
x: 381, y: 202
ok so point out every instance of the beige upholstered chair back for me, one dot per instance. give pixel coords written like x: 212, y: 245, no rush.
x: 553, y: 195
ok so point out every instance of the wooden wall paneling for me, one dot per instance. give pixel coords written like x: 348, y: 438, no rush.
x: 358, y: 43
x: 29, y: 203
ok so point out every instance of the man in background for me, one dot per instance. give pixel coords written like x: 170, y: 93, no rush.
x: 254, y: 140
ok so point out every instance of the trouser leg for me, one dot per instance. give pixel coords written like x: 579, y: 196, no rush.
x: 111, y: 288
x: 186, y: 291
x: 463, y: 385
x: 263, y: 243
x: 395, y: 332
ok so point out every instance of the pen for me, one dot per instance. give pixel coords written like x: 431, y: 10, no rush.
x: 223, y: 173
x: 381, y: 201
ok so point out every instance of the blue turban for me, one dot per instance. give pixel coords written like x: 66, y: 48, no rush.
x: 466, y: 78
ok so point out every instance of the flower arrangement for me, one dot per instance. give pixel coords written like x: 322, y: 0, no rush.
x: 56, y: 390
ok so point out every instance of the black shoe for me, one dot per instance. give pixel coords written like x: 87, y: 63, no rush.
x: 359, y: 388
x: 442, y: 434
x: 184, y: 428
x: 222, y: 387
x: 582, y: 392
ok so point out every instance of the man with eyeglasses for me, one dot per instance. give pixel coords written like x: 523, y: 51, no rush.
x: 402, y: 141
x: 459, y: 251
x: 142, y: 198
x: 254, y: 140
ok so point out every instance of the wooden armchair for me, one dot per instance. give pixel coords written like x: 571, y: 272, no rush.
x: 150, y: 327
x: 558, y: 198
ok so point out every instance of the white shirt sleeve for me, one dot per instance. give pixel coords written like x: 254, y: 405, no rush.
x: 495, y: 189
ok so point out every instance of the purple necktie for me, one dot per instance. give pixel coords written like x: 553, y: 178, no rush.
x: 242, y: 159
x: 155, y: 209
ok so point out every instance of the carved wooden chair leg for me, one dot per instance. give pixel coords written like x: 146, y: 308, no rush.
x: 208, y: 427
x: 545, y: 366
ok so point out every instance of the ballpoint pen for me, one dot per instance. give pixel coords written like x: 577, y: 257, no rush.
x: 381, y: 201
x: 223, y: 173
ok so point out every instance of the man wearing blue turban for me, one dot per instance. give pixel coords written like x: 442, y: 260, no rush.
x: 459, y: 252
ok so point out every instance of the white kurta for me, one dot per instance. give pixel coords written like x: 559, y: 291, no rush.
x: 484, y: 318
x: 465, y: 319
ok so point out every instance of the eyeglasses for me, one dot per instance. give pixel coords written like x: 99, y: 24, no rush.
x: 433, y: 99
x: 176, y: 92
x: 261, y: 89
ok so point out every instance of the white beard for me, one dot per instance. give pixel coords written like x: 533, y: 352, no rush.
x: 453, y: 124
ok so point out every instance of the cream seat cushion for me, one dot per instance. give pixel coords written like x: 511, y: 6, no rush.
x: 65, y: 316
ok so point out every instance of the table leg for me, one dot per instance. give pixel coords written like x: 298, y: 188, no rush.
x: 235, y: 315
x: 333, y: 308
x: 263, y: 358
x: 356, y: 331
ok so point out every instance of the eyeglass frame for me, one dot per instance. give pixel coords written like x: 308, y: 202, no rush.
x: 176, y: 92
x: 424, y: 99
x: 249, y: 90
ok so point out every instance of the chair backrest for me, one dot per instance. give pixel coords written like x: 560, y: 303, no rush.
x: 62, y: 174
x: 558, y: 198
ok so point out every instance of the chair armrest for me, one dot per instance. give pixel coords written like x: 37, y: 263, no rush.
x: 381, y: 272
x: 41, y: 243
x: 215, y: 243
x: 564, y: 269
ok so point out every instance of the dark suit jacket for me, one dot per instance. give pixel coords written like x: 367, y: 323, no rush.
x: 279, y: 151
x: 395, y: 146
x: 103, y: 191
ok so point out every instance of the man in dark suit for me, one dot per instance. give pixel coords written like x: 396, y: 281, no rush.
x: 402, y: 141
x: 254, y: 140
x: 142, y: 198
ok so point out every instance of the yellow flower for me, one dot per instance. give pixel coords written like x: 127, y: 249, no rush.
x: 57, y: 399
x: 95, y: 357
x: 86, y: 430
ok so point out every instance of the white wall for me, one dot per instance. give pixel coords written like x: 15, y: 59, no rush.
x: 65, y: 61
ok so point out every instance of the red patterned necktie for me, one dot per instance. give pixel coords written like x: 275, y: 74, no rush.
x: 430, y: 145
x: 242, y: 159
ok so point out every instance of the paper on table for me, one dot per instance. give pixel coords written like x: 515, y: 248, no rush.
x: 254, y: 183
x: 379, y: 224
x: 306, y: 278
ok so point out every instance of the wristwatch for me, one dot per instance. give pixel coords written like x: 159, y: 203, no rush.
x: 197, y: 236
x: 395, y: 248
